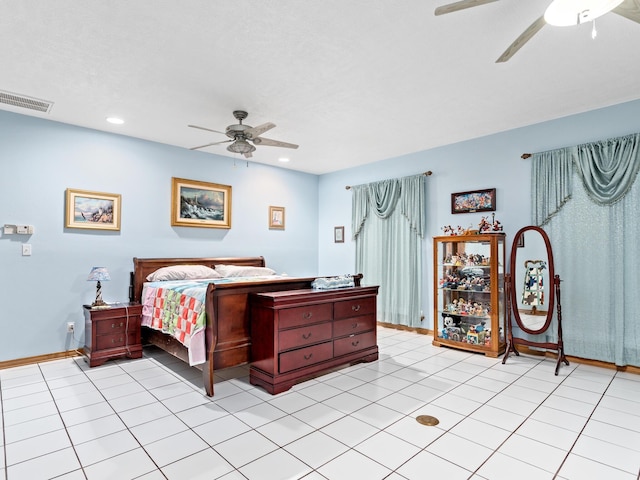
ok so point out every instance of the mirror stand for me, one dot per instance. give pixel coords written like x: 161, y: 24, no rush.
x: 513, y: 341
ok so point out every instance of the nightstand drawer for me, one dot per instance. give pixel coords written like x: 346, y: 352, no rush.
x: 111, y: 325
x: 304, y: 357
x: 115, y: 340
x: 301, y: 336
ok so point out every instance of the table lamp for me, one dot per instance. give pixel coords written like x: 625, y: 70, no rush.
x: 98, y: 274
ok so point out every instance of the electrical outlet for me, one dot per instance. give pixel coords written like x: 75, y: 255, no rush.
x: 70, y: 327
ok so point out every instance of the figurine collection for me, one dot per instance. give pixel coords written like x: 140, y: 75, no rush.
x: 485, y: 226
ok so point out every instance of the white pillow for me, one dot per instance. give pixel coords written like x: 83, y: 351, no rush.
x: 241, y: 271
x: 182, y: 272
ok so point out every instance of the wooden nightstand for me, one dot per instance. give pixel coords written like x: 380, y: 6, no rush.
x: 112, y: 332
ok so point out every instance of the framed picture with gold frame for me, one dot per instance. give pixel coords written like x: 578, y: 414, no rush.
x: 92, y: 210
x: 200, y: 204
x: 276, y: 218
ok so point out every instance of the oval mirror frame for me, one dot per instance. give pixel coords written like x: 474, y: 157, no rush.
x: 518, y: 245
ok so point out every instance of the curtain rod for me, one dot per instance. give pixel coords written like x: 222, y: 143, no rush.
x: 427, y: 173
x: 524, y: 156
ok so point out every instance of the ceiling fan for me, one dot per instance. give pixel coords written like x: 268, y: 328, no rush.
x: 559, y: 13
x: 240, y: 135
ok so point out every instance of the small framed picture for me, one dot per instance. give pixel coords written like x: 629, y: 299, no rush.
x: 276, y: 218
x: 338, y: 234
x: 92, y: 210
x: 474, y: 201
x: 200, y: 204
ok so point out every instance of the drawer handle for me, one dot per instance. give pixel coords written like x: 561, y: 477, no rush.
x: 355, y: 344
x: 113, y: 325
x: 355, y: 308
x: 354, y: 325
x: 307, y: 315
x: 306, y: 336
x: 113, y: 340
x: 308, y: 357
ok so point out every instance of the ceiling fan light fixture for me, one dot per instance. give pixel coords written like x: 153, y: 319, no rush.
x: 564, y: 13
x: 241, y: 146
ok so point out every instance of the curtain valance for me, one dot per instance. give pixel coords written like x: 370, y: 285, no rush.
x: 383, y: 197
x: 607, y: 168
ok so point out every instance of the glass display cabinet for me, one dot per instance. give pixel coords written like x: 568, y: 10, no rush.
x: 469, y: 303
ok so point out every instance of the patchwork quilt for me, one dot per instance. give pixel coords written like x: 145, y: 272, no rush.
x: 177, y: 308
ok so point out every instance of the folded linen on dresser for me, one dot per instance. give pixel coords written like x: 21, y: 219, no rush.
x: 328, y: 283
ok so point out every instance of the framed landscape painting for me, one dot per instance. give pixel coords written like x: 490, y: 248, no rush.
x: 92, y: 210
x: 200, y: 204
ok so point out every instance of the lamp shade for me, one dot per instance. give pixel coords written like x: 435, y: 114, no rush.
x: 563, y: 13
x: 98, y: 274
x: 241, y: 146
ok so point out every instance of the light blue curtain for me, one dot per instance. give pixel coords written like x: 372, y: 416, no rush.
x: 388, y: 219
x: 588, y: 201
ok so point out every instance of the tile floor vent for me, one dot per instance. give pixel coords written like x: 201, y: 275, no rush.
x: 22, y: 101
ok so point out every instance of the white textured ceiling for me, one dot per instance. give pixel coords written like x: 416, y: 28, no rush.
x: 350, y: 81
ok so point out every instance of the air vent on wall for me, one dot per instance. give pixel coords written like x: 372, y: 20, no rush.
x: 22, y: 101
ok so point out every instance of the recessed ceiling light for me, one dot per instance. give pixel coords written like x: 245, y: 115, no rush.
x: 283, y: 160
x: 115, y: 120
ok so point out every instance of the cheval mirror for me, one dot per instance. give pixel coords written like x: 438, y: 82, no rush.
x: 532, y: 291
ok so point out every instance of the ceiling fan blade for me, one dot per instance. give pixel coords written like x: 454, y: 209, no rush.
x: 259, y: 130
x: 273, y: 143
x: 522, y: 39
x: 461, y: 5
x: 207, y: 129
x: 629, y: 9
x: 210, y: 144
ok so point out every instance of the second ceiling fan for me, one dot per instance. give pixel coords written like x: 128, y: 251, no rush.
x: 575, y: 12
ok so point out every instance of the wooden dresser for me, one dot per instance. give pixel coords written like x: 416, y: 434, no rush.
x: 299, y: 334
x: 112, y: 332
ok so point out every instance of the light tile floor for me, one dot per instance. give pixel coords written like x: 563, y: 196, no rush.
x: 149, y: 419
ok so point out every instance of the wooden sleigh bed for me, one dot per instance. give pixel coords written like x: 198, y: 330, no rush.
x: 227, y: 332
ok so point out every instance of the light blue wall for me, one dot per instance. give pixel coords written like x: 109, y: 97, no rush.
x: 40, y: 159
x: 487, y: 162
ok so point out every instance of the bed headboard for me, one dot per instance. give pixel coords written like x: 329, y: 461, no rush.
x: 144, y: 266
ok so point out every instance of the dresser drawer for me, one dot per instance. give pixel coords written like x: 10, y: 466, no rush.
x: 352, y: 308
x: 301, y: 336
x: 353, y: 325
x: 112, y: 325
x: 295, y: 317
x: 114, y: 340
x: 354, y: 343
x: 305, y: 357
